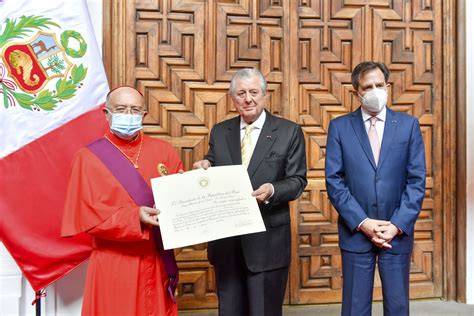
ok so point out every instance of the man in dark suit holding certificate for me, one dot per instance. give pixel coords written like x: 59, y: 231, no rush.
x: 252, y: 270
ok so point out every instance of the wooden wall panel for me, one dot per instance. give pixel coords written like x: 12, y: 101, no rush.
x: 182, y: 54
x: 334, y: 36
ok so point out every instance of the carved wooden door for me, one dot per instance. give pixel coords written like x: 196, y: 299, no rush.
x: 181, y: 55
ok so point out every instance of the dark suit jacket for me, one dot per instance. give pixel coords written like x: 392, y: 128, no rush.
x: 357, y: 188
x: 279, y: 158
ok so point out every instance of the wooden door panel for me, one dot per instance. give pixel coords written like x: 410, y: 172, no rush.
x: 169, y: 50
x: 333, y: 36
x: 182, y: 54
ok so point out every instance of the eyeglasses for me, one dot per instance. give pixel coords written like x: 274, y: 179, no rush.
x: 242, y: 94
x: 122, y: 109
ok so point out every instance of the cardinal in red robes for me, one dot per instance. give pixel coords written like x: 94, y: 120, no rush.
x: 109, y: 197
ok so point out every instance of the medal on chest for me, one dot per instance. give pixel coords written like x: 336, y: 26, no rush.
x: 162, y: 169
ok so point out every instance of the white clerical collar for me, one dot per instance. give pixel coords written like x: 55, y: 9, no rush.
x: 257, y: 124
x: 381, y: 116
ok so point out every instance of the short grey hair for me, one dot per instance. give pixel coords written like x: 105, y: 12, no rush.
x: 247, y: 73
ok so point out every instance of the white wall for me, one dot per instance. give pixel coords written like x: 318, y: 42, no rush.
x: 10, y: 284
x: 64, y: 297
x: 470, y: 150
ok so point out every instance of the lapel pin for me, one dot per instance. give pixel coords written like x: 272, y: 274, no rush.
x: 269, y: 136
x: 394, y: 121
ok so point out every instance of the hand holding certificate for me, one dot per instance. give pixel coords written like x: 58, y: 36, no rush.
x: 204, y: 205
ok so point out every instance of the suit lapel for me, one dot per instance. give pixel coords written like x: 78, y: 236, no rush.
x: 265, y: 141
x: 233, y: 140
x: 361, y: 133
x: 389, y: 132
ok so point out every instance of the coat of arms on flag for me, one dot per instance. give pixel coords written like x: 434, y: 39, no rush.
x: 52, y: 87
x: 39, y: 70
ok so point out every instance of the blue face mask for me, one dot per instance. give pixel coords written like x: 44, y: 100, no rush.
x: 126, y: 126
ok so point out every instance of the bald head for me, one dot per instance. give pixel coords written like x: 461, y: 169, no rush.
x: 124, y: 96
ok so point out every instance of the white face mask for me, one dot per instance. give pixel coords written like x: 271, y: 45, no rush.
x: 126, y: 126
x: 375, y: 100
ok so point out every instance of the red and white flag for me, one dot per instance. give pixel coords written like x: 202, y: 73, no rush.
x: 52, y: 85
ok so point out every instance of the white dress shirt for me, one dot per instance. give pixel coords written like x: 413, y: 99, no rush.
x: 379, y: 126
x: 258, y: 125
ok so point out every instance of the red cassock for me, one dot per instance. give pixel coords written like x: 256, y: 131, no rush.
x: 126, y: 275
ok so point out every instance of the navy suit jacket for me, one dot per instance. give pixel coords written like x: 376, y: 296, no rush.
x: 279, y: 158
x: 391, y: 191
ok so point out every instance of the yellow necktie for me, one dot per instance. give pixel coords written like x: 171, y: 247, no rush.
x: 246, y: 145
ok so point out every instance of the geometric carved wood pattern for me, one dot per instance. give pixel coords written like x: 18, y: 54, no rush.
x: 182, y: 54
x: 334, y: 36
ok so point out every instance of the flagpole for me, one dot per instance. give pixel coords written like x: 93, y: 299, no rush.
x: 38, y: 295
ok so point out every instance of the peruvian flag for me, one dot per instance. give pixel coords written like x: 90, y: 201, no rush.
x: 52, y: 86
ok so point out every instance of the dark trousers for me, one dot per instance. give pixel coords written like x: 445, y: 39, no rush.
x: 358, y: 282
x: 242, y: 292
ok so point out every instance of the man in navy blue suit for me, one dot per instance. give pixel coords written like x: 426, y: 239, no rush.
x: 375, y: 178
